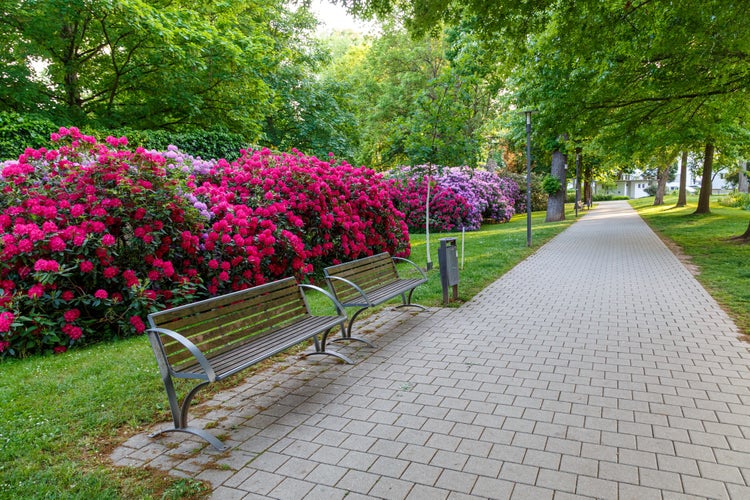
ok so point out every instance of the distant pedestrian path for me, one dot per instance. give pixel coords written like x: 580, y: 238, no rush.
x: 597, y: 368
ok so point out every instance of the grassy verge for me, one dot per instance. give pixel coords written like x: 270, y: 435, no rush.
x: 61, y: 416
x: 723, y: 264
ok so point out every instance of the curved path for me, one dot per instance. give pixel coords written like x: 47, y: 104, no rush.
x: 599, y: 367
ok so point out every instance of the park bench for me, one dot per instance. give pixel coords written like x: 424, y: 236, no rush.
x: 370, y: 281
x: 214, y: 338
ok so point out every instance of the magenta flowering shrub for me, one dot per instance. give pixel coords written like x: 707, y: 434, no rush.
x: 490, y: 196
x: 449, y: 211
x: 282, y: 215
x: 93, y: 237
x: 459, y: 197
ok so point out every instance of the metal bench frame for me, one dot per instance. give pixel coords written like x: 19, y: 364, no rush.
x: 215, y: 338
x: 371, y: 281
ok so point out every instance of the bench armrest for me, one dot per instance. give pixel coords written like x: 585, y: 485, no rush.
x: 351, y: 284
x: 197, y: 354
x: 339, y: 308
x: 401, y: 259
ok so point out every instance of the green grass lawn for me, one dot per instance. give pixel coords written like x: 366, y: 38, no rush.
x: 723, y: 263
x: 61, y: 416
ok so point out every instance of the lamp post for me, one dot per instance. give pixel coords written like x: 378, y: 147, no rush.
x: 528, y: 177
x: 578, y: 178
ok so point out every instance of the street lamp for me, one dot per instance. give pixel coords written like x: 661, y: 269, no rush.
x: 578, y: 178
x: 528, y: 176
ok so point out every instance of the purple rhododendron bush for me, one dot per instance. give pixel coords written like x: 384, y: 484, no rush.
x: 459, y: 198
x: 94, y: 236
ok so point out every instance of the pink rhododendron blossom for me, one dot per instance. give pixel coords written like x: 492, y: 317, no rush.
x: 71, y: 315
x: 6, y: 320
x: 111, y: 272
x: 101, y: 294
x: 57, y: 244
x: 138, y: 324
x: 43, y: 265
x: 72, y: 331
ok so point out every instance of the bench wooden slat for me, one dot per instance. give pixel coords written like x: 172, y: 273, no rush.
x: 237, y: 330
x: 180, y: 317
x: 263, y: 347
x: 368, y: 273
x: 248, y: 294
x: 238, y: 321
x: 385, y: 293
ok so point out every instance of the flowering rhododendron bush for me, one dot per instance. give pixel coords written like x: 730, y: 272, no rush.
x: 93, y: 236
x: 290, y: 214
x: 459, y: 197
x: 449, y: 211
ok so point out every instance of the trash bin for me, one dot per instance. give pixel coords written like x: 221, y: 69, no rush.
x: 448, y: 262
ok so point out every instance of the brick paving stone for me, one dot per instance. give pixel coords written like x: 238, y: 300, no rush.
x: 493, y: 488
x: 565, y: 378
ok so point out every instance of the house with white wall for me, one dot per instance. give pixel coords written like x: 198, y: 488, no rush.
x: 719, y: 184
x: 631, y: 185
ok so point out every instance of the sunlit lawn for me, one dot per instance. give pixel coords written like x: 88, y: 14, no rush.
x: 724, y: 264
x: 60, y: 416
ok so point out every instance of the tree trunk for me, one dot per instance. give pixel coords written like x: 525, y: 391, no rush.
x: 704, y: 200
x: 588, y: 195
x: 742, y: 183
x: 662, y: 177
x: 682, y: 194
x: 744, y: 237
x: 556, y: 202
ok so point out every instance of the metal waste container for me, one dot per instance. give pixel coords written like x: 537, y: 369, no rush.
x: 448, y: 262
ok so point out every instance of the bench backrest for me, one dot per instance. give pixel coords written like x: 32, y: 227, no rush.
x: 222, y: 323
x: 367, y: 273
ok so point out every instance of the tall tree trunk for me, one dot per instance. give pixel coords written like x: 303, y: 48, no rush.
x: 588, y: 195
x: 556, y: 202
x: 662, y: 176
x: 742, y: 183
x: 704, y: 200
x: 682, y: 194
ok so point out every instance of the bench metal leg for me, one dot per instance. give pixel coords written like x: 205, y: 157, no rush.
x: 346, y: 334
x: 205, y: 435
x: 180, y: 414
x: 320, y: 348
x: 406, y: 302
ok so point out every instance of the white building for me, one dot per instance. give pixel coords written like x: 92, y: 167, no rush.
x: 630, y: 185
x: 719, y: 183
x: 634, y: 185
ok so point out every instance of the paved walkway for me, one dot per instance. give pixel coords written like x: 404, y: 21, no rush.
x: 599, y: 367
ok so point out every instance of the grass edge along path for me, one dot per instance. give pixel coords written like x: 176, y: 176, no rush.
x: 719, y: 263
x: 61, y: 416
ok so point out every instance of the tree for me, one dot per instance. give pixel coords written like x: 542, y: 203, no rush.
x: 158, y: 64
x: 556, y: 201
x: 425, y: 100
x: 313, y: 110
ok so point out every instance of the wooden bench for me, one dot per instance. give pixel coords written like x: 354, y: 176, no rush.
x: 370, y: 281
x: 218, y: 337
